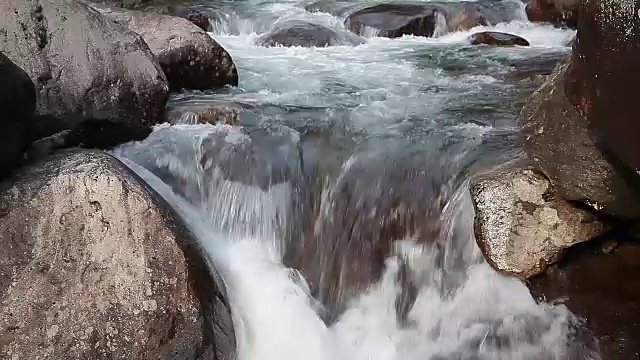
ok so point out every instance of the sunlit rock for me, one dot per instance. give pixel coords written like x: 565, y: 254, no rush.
x: 96, y: 266
x: 521, y: 225
x: 396, y: 20
x: 82, y: 62
x: 497, y: 38
x: 189, y: 57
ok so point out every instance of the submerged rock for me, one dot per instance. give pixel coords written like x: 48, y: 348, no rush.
x: 81, y: 62
x: 396, y: 20
x: 215, y: 114
x: 17, y: 108
x: 96, y: 265
x: 190, y: 58
x: 467, y: 18
x: 521, y: 226
x: 307, y: 34
x: 497, y: 38
x: 556, y: 12
x: 557, y: 138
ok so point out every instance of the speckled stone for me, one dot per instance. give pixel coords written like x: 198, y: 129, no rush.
x: 521, y: 225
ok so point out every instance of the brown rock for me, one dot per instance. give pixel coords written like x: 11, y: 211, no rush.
x: 556, y: 137
x: 497, y: 38
x: 190, y: 58
x: 467, y: 18
x: 600, y: 81
x: 556, y: 12
x: 395, y: 20
x: 215, y: 114
x: 521, y: 225
x: 601, y: 288
x: 96, y: 266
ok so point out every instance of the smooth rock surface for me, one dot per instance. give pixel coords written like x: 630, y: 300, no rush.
x: 395, y: 20
x: 600, y: 82
x: 601, y: 286
x: 521, y: 226
x: 557, y: 138
x: 467, y: 18
x: 497, y: 38
x: 563, y: 13
x: 307, y: 34
x: 190, y: 58
x: 17, y: 108
x: 96, y: 266
x: 81, y: 62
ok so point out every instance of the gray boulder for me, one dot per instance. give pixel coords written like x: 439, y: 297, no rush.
x: 190, y: 58
x: 95, y: 265
x: 81, y: 62
x: 521, y: 225
x: 557, y: 138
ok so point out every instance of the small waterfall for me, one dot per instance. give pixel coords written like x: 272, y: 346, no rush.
x: 440, y: 27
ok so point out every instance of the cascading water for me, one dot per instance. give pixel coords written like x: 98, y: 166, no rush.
x: 325, y: 134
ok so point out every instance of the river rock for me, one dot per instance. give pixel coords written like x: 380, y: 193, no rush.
x: 396, y: 20
x: 521, y: 225
x: 214, y: 114
x: 593, y: 274
x: 307, y: 34
x: 557, y: 138
x: 557, y: 12
x: 197, y: 17
x: 497, y: 38
x: 467, y: 18
x: 81, y: 62
x: 17, y: 108
x: 96, y: 265
x: 599, y: 85
x: 190, y: 58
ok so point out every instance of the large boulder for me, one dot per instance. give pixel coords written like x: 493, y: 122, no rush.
x: 557, y: 138
x: 563, y: 13
x: 307, y: 34
x: 521, y: 226
x: 396, y: 20
x: 600, y: 78
x: 96, y: 266
x: 81, y: 62
x: 190, y: 58
x: 497, y: 38
x: 598, y: 282
x: 17, y: 108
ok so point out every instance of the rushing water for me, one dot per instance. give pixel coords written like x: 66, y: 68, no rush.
x: 324, y: 134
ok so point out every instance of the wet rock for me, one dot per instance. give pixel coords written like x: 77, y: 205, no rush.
x: 557, y: 12
x: 250, y: 177
x: 127, y: 4
x: 215, y: 114
x: 17, y: 108
x: 96, y: 265
x: 190, y: 58
x: 307, y: 34
x: 497, y: 38
x: 603, y: 290
x: 599, y: 85
x: 557, y: 138
x: 521, y: 226
x: 196, y: 16
x: 396, y: 20
x: 375, y: 201
x: 81, y: 62
x: 467, y: 18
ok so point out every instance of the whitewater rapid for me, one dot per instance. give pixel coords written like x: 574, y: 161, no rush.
x: 401, y: 89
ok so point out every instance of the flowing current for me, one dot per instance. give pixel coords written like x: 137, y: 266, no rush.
x: 331, y: 143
